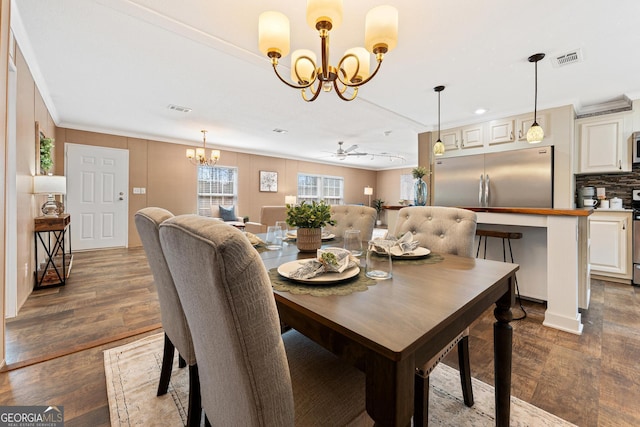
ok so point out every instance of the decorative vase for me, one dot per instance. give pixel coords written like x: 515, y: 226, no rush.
x: 420, y: 193
x: 309, y: 239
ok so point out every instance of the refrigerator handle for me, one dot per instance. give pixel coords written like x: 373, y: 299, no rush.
x: 480, y: 191
x: 487, y: 195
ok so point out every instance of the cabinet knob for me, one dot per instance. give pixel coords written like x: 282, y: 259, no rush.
x: 620, y: 164
x: 511, y: 135
x: 520, y: 134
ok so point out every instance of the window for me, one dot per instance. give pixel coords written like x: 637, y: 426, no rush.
x: 217, y: 185
x: 318, y: 187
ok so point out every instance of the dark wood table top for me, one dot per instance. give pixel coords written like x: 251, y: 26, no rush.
x: 404, y: 321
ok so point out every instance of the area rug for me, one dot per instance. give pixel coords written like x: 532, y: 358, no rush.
x: 132, y: 372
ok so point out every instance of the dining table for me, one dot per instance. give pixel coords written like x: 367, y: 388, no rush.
x: 393, y: 326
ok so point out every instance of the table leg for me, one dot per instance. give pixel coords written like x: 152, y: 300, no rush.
x: 389, y: 390
x: 502, y: 341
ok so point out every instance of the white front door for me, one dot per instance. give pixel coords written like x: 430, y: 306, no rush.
x: 97, y: 182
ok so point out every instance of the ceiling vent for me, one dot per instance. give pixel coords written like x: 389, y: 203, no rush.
x: 179, y: 108
x: 568, y: 58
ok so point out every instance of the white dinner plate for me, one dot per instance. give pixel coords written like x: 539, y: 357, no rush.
x: 418, y: 252
x: 293, y: 234
x: 285, y: 271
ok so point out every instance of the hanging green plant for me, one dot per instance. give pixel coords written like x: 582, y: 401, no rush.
x: 46, y: 161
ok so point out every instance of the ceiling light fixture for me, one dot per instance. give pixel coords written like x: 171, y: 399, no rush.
x: 535, y: 134
x: 480, y: 111
x: 198, y: 156
x: 381, y: 36
x: 438, y: 147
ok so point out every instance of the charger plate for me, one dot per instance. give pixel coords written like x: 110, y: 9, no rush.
x: 286, y: 269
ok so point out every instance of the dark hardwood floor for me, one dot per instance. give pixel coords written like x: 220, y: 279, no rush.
x: 54, y: 346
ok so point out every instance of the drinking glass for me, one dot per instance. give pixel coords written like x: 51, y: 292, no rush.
x: 283, y: 226
x: 274, y: 238
x: 379, y: 259
x: 353, y: 242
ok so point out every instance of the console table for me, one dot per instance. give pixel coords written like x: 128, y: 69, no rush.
x: 49, y: 234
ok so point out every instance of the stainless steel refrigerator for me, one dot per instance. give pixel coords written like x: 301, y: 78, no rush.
x: 517, y: 178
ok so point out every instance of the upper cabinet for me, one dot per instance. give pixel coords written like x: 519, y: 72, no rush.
x: 450, y: 139
x: 501, y: 131
x: 472, y: 136
x: 603, y: 143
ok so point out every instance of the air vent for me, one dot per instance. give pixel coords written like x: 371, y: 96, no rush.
x: 179, y: 108
x: 568, y: 58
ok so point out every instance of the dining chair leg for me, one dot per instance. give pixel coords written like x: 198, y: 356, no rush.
x: 195, y: 401
x: 167, y: 364
x: 465, y: 370
x: 181, y: 362
x: 421, y: 401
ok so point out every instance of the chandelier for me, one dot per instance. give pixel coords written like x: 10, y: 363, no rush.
x: 353, y: 70
x: 535, y: 134
x: 198, y: 156
x: 438, y: 147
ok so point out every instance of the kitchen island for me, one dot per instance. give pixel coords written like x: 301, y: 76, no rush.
x: 553, y: 256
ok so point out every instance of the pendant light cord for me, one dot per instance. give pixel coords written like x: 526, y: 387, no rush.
x: 439, y: 116
x: 535, y: 97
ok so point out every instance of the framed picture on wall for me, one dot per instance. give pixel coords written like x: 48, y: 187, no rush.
x: 269, y: 181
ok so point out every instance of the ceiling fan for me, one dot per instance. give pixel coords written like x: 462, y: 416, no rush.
x: 342, y: 154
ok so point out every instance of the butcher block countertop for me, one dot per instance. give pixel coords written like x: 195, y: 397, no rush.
x: 536, y: 211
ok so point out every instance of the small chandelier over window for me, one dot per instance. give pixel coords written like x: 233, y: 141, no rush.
x: 535, y: 134
x: 438, y: 147
x: 198, y: 156
x: 381, y: 36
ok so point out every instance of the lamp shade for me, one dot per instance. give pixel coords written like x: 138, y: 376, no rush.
x: 356, y: 64
x: 381, y: 28
x: 273, y: 33
x: 535, y: 134
x: 49, y: 184
x: 289, y: 200
x: 303, y: 65
x: 368, y: 191
x: 324, y: 10
x: 438, y: 148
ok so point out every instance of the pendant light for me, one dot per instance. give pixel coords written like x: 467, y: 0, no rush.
x: 438, y: 147
x: 535, y: 134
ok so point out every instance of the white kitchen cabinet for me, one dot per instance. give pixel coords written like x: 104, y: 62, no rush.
x: 501, y: 131
x: 610, y: 248
x: 524, y: 123
x: 472, y: 136
x: 603, y: 143
x: 451, y: 139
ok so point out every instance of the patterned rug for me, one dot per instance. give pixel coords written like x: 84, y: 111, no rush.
x: 132, y: 372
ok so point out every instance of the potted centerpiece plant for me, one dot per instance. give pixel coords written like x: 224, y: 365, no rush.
x: 377, y: 204
x: 420, y: 187
x: 309, y: 219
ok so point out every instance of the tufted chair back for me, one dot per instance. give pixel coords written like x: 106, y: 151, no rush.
x: 174, y: 322
x: 353, y: 217
x: 440, y: 229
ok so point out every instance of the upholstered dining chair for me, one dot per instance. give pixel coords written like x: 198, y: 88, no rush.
x: 447, y: 231
x: 250, y: 374
x: 176, y: 330
x: 352, y: 217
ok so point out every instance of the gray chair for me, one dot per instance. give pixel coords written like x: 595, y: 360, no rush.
x: 250, y: 374
x: 352, y: 217
x: 447, y: 231
x: 174, y: 322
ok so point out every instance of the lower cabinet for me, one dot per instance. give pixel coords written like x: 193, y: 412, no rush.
x: 610, y: 244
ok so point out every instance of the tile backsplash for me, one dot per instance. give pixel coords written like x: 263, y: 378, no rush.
x: 615, y: 184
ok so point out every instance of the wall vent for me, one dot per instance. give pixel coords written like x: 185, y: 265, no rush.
x: 179, y: 108
x: 568, y: 58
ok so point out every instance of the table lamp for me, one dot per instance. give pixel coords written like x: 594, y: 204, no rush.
x: 368, y: 191
x: 50, y: 185
x: 289, y: 200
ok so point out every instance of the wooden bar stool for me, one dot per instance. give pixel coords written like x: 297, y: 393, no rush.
x: 505, y: 236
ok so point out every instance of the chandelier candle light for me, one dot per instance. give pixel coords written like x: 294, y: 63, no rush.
x: 535, y: 134
x: 353, y: 70
x: 198, y: 156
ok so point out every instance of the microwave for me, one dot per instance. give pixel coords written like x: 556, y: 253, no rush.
x: 635, y: 142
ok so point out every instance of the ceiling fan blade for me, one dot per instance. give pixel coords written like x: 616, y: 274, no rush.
x: 357, y: 154
x: 353, y: 147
